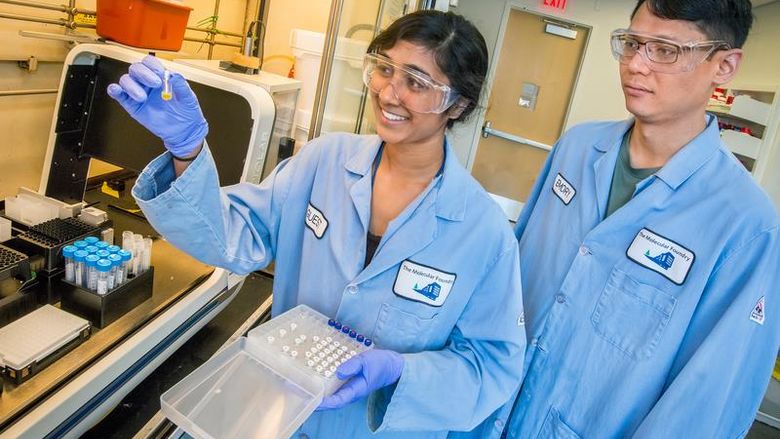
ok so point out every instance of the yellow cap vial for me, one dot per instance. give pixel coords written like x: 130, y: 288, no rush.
x: 166, y: 91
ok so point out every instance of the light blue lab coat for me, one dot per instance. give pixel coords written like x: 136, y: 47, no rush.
x: 463, y: 355
x: 626, y: 341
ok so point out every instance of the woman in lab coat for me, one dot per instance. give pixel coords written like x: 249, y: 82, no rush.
x: 386, y: 233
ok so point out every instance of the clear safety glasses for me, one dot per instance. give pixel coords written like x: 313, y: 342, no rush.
x: 417, y: 91
x: 664, y: 56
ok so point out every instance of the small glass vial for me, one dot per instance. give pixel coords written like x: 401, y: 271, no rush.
x: 91, y: 240
x: 113, y: 248
x: 102, y: 254
x: 81, y: 245
x: 70, y: 263
x: 147, y: 261
x: 116, y: 262
x: 91, y: 249
x: 79, y: 258
x: 127, y: 240
x: 103, y: 270
x: 122, y: 270
x: 101, y: 245
x: 91, y: 282
x: 138, y: 251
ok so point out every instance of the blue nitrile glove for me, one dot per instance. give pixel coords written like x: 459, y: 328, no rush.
x: 366, y: 372
x: 179, y: 122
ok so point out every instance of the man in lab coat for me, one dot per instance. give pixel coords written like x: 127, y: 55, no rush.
x: 649, y: 254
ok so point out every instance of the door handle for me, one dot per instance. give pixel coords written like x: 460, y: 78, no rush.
x: 488, y: 130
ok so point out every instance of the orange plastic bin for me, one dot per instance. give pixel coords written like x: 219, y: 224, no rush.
x: 151, y: 24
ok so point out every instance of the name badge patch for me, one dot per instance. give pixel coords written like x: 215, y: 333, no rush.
x: 316, y: 221
x: 661, y: 255
x: 563, y: 189
x: 422, y: 283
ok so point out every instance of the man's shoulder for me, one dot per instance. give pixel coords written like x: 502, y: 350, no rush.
x: 732, y: 187
x: 591, y: 136
x: 596, y: 130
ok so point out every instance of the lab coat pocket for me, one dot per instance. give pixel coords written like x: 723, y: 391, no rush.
x: 631, y: 315
x: 404, y: 330
x: 555, y: 428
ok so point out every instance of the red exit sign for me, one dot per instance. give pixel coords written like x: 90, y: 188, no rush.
x: 557, y: 4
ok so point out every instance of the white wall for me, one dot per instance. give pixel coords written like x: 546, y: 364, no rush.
x: 285, y: 15
x: 761, y: 68
x: 24, y: 124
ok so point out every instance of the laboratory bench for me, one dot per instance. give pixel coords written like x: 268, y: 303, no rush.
x: 175, y: 275
x: 250, y: 307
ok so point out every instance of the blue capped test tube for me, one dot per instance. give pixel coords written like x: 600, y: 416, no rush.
x: 92, y: 275
x: 103, y: 270
x: 116, y: 262
x: 79, y: 258
x: 123, y: 270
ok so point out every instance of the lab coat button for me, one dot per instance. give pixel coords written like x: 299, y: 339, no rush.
x: 303, y: 436
x: 584, y: 251
x: 352, y: 289
x: 499, y: 424
x: 521, y: 320
x: 560, y: 298
x: 534, y: 341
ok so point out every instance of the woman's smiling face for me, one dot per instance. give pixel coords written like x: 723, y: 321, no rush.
x: 395, y: 123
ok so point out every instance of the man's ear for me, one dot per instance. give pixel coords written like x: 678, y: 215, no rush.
x: 728, y: 65
x: 457, y: 108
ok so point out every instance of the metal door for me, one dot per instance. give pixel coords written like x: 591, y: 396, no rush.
x: 533, y: 83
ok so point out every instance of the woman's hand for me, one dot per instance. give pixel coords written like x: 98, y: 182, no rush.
x: 366, y: 372
x: 179, y: 122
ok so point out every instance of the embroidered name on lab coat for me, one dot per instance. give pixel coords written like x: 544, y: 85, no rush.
x: 661, y: 255
x: 316, y: 221
x: 422, y: 283
x: 563, y: 189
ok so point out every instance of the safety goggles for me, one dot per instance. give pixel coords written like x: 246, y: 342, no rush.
x: 417, y: 91
x: 663, y: 55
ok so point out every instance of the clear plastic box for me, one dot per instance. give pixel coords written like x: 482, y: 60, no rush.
x: 256, y: 387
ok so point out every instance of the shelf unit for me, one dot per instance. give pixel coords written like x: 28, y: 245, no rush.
x: 756, y: 109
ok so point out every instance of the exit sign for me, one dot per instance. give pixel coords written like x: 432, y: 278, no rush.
x: 557, y: 4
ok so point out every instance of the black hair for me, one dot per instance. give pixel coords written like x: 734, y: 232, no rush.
x: 458, y: 49
x: 727, y: 20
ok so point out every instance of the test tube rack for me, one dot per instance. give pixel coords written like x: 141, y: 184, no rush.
x: 267, y: 383
x: 312, y: 342
x: 10, y: 260
x: 102, y: 310
x: 48, y: 238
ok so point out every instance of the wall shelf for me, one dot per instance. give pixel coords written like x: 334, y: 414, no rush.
x: 756, y: 109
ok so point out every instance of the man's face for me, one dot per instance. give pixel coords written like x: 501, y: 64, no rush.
x: 654, y: 97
